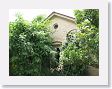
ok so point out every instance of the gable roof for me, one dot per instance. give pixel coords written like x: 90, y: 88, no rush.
x: 60, y: 15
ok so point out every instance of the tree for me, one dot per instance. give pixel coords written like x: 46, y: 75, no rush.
x: 91, y: 15
x: 82, y: 47
x: 89, y: 34
x: 30, y: 46
x: 31, y: 52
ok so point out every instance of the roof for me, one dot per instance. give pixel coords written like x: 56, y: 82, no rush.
x: 60, y: 15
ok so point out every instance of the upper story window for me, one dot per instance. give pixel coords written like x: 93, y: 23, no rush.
x: 55, y: 26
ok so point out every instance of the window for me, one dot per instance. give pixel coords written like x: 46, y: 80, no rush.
x: 71, y: 35
x: 55, y: 26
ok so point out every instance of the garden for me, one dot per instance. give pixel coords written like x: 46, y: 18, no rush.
x: 31, y: 52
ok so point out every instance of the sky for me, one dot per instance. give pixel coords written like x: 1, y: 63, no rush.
x: 29, y: 14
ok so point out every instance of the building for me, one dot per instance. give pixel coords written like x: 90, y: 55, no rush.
x: 61, y: 25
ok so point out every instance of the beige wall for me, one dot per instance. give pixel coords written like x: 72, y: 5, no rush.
x: 64, y: 26
x: 92, y: 71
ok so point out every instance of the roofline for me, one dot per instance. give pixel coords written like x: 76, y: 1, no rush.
x: 71, y: 18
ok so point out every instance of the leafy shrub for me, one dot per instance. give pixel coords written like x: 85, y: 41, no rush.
x: 30, y: 45
x: 82, y: 47
x: 31, y: 52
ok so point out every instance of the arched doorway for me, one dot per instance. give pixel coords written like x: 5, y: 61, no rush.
x: 57, y: 47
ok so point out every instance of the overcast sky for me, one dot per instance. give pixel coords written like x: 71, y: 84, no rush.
x: 29, y: 14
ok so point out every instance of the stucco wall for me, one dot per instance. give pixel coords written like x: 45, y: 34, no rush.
x: 92, y: 71
x: 64, y: 26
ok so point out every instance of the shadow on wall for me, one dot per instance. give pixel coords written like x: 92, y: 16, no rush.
x: 92, y: 71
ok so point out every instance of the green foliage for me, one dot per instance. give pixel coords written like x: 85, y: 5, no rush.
x: 88, y: 37
x: 30, y: 45
x: 82, y: 47
x: 31, y: 52
x: 38, y: 19
x: 87, y: 14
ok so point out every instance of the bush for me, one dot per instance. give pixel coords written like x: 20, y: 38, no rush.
x: 82, y: 47
x: 30, y: 45
x: 31, y: 52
